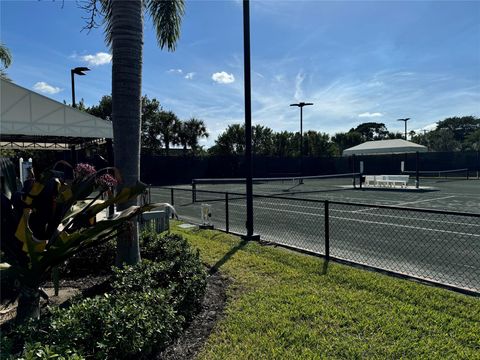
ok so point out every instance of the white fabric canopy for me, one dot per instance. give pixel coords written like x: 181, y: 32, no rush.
x: 395, y: 146
x: 26, y: 113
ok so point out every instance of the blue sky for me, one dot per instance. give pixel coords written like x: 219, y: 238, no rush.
x: 357, y: 61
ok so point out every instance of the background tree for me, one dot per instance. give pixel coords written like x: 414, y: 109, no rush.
x: 124, y: 34
x: 317, y: 144
x: 230, y: 142
x: 472, y: 141
x: 347, y: 140
x: 104, y: 108
x: 372, y: 131
x: 282, y: 143
x: 460, y: 127
x: 166, y: 124
x: 5, y: 60
x: 150, y: 132
x: 194, y: 129
x: 262, y: 140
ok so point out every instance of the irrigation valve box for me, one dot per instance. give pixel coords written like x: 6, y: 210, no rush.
x: 206, y: 215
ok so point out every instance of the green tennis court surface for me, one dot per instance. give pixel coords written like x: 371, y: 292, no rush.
x: 443, y: 248
x: 440, y: 194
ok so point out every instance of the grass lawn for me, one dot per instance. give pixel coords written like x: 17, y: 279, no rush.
x: 285, y: 305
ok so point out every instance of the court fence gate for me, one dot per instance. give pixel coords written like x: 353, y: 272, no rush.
x: 433, y: 246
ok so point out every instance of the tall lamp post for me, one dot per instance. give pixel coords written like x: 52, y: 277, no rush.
x: 73, y: 72
x: 301, y: 105
x: 248, y: 123
x: 405, y: 121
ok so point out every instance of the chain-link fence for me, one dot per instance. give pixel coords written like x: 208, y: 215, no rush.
x: 437, y: 246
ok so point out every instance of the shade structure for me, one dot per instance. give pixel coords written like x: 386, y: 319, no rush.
x: 395, y: 146
x: 30, y: 118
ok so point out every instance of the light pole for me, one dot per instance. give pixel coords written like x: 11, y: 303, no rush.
x: 405, y: 121
x: 77, y: 71
x: 301, y: 105
x: 248, y: 123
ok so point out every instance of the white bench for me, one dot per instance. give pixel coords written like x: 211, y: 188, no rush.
x: 387, y: 180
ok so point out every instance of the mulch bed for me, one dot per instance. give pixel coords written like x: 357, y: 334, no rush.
x: 188, y: 345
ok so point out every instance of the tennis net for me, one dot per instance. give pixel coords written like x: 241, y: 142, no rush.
x: 441, y: 174
x: 281, y: 185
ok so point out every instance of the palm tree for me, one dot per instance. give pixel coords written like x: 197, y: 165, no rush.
x: 194, y: 130
x: 124, y: 34
x: 5, y: 59
x: 167, y: 126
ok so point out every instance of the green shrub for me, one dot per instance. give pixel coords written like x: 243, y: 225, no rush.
x: 147, y: 308
x: 183, y: 269
x: 37, y: 351
x: 117, y: 327
x: 92, y: 261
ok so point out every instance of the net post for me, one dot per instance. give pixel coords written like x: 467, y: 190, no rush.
x: 327, y: 231
x: 172, y: 200
x: 194, y: 191
x: 353, y: 171
x: 467, y: 174
x: 417, y: 158
x: 227, y: 217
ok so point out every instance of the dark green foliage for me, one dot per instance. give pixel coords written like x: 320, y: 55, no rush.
x: 182, y: 267
x: 92, y: 261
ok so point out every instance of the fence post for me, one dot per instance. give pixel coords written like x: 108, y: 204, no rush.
x: 227, y: 218
x: 327, y: 232
x: 172, y: 200
x: 194, y: 192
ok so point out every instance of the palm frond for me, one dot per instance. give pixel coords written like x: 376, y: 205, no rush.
x: 167, y: 19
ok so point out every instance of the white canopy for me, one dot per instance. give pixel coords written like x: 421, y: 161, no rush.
x: 395, y: 146
x: 27, y: 117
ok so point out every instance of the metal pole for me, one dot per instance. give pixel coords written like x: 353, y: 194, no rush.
x: 301, y: 140
x: 405, y: 130
x: 248, y: 119
x: 327, y: 232
x: 172, y: 200
x: 73, y: 88
x: 417, y: 158
x: 227, y: 217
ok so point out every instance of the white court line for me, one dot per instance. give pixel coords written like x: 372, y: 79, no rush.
x: 346, y: 211
x: 410, y: 202
x: 356, y: 211
x: 419, y: 201
x: 367, y: 221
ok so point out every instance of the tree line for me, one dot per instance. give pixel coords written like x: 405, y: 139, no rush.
x: 450, y: 134
x: 160, y: 128
x: 267, y: 142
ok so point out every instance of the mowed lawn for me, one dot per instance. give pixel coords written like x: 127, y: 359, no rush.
x: 285, y: 305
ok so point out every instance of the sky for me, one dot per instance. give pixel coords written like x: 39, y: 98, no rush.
x: 357, y: 61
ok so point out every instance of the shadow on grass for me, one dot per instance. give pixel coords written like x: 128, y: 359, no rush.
x: 227, y: 256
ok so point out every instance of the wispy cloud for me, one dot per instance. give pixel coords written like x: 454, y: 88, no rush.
x: 175, y: 71
x: 189, y: 76
x: 97, y: 59
x: 45, y: 88
x: 298, y: 86
x: 223, y: 77
x: 370, y: 115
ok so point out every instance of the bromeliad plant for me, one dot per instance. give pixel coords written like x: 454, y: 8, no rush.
x: 52, y: 221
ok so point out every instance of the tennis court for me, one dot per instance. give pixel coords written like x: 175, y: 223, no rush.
x: 381, y: 228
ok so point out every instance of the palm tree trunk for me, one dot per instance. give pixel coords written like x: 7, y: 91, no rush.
x: 28, y: 304
x: 127, y: 44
